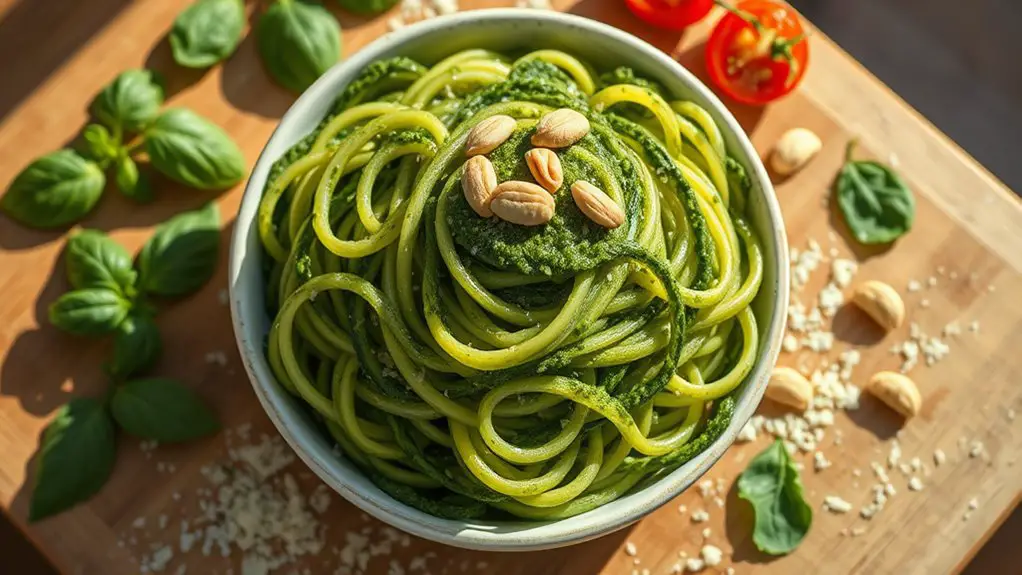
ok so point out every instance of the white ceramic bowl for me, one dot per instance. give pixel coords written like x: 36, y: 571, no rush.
x: 502, y: 29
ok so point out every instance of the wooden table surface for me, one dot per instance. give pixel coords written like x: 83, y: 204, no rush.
x: 60, y: 53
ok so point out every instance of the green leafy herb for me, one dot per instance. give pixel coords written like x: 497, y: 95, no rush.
x: 90, y: 311
x: 54, y: 190
x: 772, y: 485
x: 93, y: 260
x: 877, y: 205
x: 75, y: 457
x: 130, y: 102
x: 298, y: 41
x: 162, y: 409
x: 190, y: 149
x: 182, y: 254
x: 137, y: 346
x: 100, y: 145
x: 131, y: 182
x: 207, y: 32
x: 367, y: 6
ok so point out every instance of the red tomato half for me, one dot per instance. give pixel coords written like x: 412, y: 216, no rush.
x: 670, y: 14
x: 756, y: 65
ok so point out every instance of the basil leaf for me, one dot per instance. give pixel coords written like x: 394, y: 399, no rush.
x: 182, y: 254
x: 189, y: 149
x: 298, y: 41
x: 100, y: 145
x: 75, y: 458
x: 54, y: 190
x: 877, y: 205
x: 207, y: 32
x: 772, y: 485
x: 131, y: 182
x: 162, y: 409
x: 93, y: 260
x: 367, y: 6
x: 90, y: 311
x: 130, y: 102
x: 137, y: 346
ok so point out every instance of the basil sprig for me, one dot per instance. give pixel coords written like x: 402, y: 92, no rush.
x: 130, y: 102
x: 190, y: 149
x: 207, y: 32
x: 76, y: 456
x: 54, y: 190
x: 771, y: 484
x: 60, y: 188
x: 298, y: 41
x: 877, y: 204
x: 109, y: 296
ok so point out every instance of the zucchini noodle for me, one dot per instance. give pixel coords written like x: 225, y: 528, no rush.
x: 473, y: 367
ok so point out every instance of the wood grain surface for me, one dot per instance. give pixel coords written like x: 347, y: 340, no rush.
x: 967, y: 223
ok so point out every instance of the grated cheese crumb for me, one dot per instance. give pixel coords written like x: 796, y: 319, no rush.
x: 700, y: 516
x: 712, y: 555
x: 835, y: 504
x: 939, y: 457
x: 915, y: 484
x: 694, y: 564
x: 630, y: 549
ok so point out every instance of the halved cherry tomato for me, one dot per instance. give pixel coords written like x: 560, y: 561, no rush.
x: 758, y: 51
x: 670, y: 14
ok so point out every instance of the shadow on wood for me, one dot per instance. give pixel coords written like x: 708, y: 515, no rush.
x: 70, y: 24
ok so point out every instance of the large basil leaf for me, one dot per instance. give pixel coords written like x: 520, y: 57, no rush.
x: 131, y: 101
x: 137, y: 346
x: 182, y: 254
x: 877, y: 205
x: 367, y: 6
x: 93, y: 260
x: 162, y: 409
x: 207, y: 32
x: 190, y: 149
x: 91, y: 311
x: 772, y: 485
x: 54, y: 190
x: 298, y: 42
x: 132, y: 182
x: 75, y: 457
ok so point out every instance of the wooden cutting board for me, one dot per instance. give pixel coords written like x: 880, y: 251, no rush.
x: 967, y: 224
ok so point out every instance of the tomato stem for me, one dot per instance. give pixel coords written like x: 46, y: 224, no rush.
x: 779, y: 47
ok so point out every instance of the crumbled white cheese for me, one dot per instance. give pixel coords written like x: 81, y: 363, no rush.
x: 820, y: 461
x: 843, y: 271
x: 894, y: 456
x: 790, y: 343
x: 700, y: 516
x: 694, y: 564
x: 835, y: 504
x: 939, y: 457
x: 973, y: 504
x: 712, y: 555
x: 536, y: 4
x: 630, y: 549
x: 976, y: 449
x: 914, y: 286
x: 748, y: 433
x: 915, y: 484
x: 706, y: 533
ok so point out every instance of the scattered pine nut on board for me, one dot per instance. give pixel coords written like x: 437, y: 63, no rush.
x: 953, y: 469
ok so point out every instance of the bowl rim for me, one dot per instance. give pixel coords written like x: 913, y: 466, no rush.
x: 471, y: 535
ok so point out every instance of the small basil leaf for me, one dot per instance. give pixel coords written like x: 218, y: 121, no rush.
x: 130, y: 102
x: 298, y: 41
x: 131, y: 182
x: 91, y: 311
x: 162, y: 409
x: 54, y: 190
x: 772, y: 485
x: 207, y: 32
x: 93, y: 260
x: 367, y: 6
x: 137, y: 347
x: 76, y: 456
x: 877, y: 205
x: 191, y: 150
x: 182, y: 254
x: 99, y: 144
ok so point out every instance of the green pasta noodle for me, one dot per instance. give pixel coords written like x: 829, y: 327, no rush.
x: 473, y: 367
